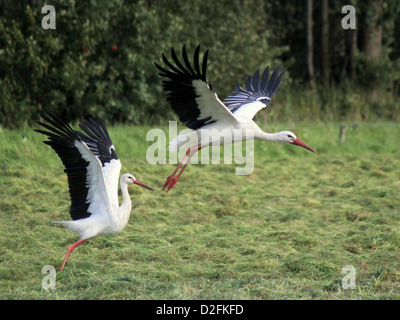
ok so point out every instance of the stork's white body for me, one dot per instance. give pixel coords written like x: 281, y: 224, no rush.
x: 107, y: 218
x: 223, y: 132
x: 228, y: 127
x: 106, y: 215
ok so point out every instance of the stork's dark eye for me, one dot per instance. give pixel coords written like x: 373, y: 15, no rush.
x: 289, y: 136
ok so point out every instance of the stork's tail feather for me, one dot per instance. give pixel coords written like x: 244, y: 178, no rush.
x: 71, y: 225
x: 65, y: 224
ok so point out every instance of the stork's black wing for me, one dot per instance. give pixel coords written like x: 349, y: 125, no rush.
x: 63, y: 139
x: 258, y: 93
x: 188, y: 92
x: 98, y: 140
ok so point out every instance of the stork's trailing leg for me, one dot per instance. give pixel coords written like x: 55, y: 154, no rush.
x: 71, y: 248
x: 173, y: 179
x: 166, y: 183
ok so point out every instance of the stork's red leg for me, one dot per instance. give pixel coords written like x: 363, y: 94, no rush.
x: 71, y: 248
x: 169, y: 179
x: 171, y: 183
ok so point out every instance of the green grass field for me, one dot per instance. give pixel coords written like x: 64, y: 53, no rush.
x: 284, y: 232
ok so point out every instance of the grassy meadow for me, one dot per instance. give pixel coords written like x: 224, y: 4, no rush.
x: 284, y: 232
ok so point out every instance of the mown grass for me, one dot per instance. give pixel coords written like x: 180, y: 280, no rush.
x: 284, y: 232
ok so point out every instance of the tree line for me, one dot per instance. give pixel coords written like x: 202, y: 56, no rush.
x: 99, y: 60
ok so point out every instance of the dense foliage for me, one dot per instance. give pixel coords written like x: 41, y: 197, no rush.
x: 99, y: 59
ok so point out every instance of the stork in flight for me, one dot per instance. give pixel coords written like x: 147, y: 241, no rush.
x: 200, y: 109
x: 93, y: 168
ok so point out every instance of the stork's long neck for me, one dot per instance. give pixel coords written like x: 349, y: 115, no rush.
x: 126, y: 205
x: 259, y: 134
x: 274, y: 137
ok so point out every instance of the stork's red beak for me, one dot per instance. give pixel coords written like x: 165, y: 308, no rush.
x: 300, y: 143
x: 142, y: 185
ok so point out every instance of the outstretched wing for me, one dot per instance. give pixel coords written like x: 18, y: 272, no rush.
x: 188, y: 92
x: 86, y: 180
x: 257, y: 95
x: 99, y: 142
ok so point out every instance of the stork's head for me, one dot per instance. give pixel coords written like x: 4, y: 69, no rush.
x: 290, y: 137
x: 130, y: 179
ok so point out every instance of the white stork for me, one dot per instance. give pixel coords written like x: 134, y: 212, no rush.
x: 200, y: 109
x: 93, y: 168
